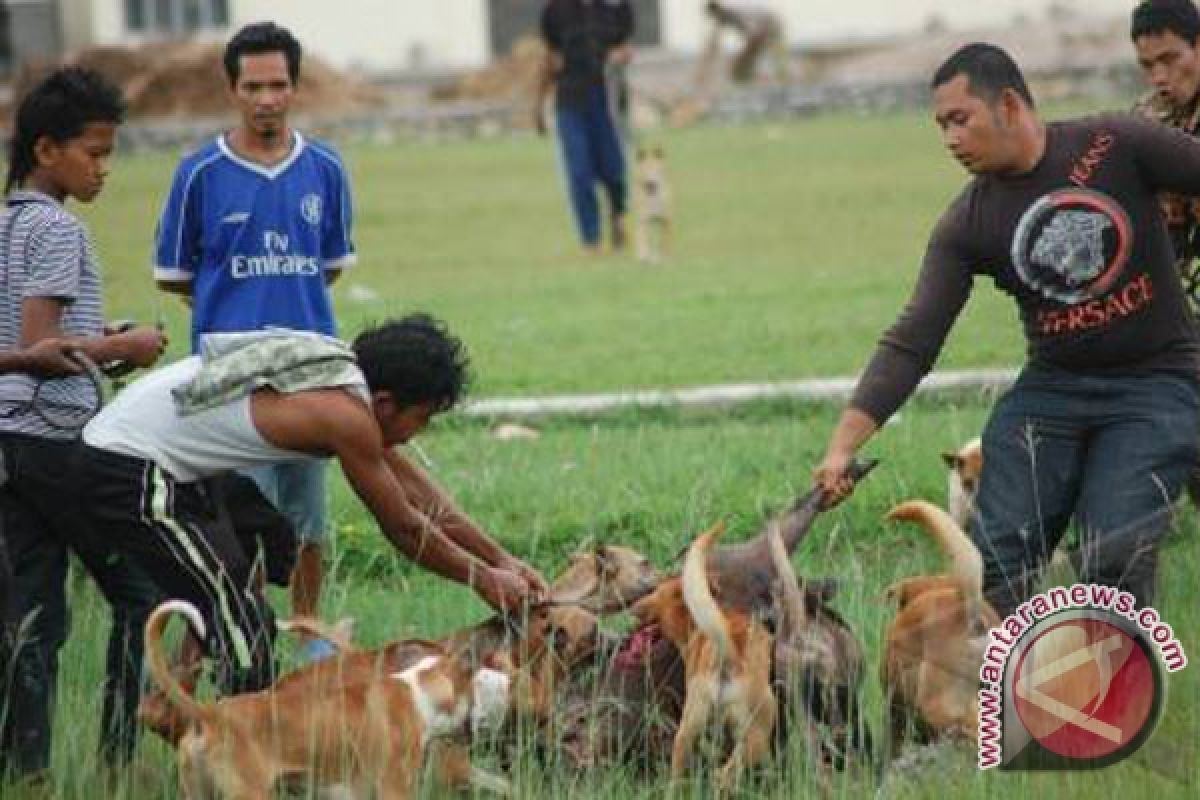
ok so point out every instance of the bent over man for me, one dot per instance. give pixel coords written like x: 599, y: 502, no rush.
x: 274, y: 397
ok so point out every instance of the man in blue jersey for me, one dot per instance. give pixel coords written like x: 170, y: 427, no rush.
x: 255, y: 228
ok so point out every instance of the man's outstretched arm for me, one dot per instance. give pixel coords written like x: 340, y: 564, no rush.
x: 436, y: 504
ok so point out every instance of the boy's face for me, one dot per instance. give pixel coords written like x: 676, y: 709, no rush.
x: 77, y: 167
x: 263, y: 93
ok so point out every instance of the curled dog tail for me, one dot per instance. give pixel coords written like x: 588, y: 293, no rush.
x: 697, y: 594
x: 160, y: 670
x: 965, y: 562
x: 791, y: 598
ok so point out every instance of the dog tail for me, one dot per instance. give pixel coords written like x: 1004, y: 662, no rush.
x: 791, y: 598
x: 698, y: 596
x: 965, y: 562
x: 179, y: 697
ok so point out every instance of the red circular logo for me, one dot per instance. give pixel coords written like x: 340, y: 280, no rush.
x: 1086, y: 689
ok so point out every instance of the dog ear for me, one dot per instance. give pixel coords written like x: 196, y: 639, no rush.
x: 950, y: 459
x: 605, y: 563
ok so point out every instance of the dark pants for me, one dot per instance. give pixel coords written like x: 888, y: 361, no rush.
x: 42, y: 519
x: 180, y: 536
x: 1112, y: 452
x: 592, y: 152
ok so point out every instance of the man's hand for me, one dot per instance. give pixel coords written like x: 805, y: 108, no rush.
x: 49, y: 357
x: 141, y: 346
x: 503, y: 590
x: 621, y: 55
x: 537, y: 586
x: 833, y: 479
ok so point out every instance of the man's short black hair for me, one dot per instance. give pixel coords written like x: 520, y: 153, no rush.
x: 262, y: 37
x: 416, y: 359
x: 989, y: 71
x: 1152, y: 17
x: 60, y: 106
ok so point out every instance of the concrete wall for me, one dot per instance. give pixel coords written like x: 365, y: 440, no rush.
x: 380, y: 34
x: 686, y: 24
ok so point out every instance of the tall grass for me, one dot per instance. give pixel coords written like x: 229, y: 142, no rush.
x: 797, y: 244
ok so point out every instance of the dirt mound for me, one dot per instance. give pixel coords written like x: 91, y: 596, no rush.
x: 186, y: 79
x: 513, y: 77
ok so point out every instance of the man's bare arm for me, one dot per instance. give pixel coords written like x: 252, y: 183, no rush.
x: 440, y: 507
x: 547, y: 76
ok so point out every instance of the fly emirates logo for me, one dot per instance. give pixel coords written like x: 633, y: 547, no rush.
x: 275, y: 260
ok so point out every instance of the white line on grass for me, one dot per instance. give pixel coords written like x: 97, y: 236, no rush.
x: 828, y: 389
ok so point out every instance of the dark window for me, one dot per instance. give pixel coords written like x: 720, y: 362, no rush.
x: 175, y: 16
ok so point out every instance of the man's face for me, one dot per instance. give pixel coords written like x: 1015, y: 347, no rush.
x: 1171, y: 65
x: 78, y: 166
x: 973, y: 131
x: 263, y: 93
x: 399, y: 424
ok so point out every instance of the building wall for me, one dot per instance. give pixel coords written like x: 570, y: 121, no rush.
x: 380, y: 34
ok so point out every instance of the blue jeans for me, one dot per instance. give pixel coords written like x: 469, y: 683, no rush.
x: 1112, y: 452
x: 592, y: 152
x: 297, y: 489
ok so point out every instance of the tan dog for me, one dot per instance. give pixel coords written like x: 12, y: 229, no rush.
x: 727, y: 662
x: 934, y: 646
x: 962, y: 483
x: 652, y: 205
x: 605, y: 579
x: 369, y: 732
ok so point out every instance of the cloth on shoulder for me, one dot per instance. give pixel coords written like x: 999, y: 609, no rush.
x: 234, y: 365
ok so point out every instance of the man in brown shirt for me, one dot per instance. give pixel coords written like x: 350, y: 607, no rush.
x: 1102, y: 425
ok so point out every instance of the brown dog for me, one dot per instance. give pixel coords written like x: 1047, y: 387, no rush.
x: 962, y: 482
x: 605, y: 579
x: 320, y: 725
x: 727, y: 665
x: 934, y: 646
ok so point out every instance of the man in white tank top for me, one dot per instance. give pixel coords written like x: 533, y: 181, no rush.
x: 146, y: 464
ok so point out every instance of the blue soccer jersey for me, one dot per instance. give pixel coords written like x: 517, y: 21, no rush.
x: 256, y: 242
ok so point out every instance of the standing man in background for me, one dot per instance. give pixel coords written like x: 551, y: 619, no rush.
x: 256, y: 227
x: 761, y: 31
x: 1166, y: 38
x: 585, y: 39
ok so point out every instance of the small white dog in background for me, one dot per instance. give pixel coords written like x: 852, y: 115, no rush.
x: 652, y: 205
x: 962, y: 483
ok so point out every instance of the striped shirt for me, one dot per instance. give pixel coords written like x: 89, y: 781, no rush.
x: 45, y: 251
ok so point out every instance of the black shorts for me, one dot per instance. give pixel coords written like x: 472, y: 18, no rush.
x: 263, y: 531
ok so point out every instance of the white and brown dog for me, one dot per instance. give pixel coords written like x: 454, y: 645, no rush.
x: 366, y: 731
x: 652, y: 205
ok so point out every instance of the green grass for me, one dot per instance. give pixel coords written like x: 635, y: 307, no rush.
x: 797, y: 245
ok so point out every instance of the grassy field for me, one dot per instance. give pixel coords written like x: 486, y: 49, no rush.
x: 797, y: 244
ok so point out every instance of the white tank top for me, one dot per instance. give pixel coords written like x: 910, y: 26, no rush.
x: 142, y: 422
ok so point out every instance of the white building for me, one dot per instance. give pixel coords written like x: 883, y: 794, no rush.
x: 396, y: 35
